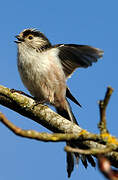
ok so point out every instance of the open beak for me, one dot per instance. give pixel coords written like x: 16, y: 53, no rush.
x: 19, y: 39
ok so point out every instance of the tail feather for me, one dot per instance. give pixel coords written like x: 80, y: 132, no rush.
x: 68, y: 114
x: 70, y: 163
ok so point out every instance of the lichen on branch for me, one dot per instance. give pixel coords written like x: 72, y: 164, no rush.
x: 63, y: 130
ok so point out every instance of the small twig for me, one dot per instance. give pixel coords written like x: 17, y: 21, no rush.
x: 57, y: 137
x: 102, y: 107
x: 88, y: 151
x: 46, y: 137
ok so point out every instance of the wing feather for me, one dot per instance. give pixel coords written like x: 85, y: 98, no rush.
x: 74, y: 56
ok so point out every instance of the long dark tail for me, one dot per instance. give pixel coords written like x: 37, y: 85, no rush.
x: 68, y: 114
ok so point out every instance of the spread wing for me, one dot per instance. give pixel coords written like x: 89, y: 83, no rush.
x: 73, y: 56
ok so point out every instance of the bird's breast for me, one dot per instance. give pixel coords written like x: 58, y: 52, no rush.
x: 41, y: 73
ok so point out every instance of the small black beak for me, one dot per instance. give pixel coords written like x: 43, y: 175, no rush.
x: 19, y: 39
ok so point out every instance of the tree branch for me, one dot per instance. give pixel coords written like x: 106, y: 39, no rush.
x: 43, y: 115
x: 46, y: 137
x: 102, y: 107
x: 39, y: 113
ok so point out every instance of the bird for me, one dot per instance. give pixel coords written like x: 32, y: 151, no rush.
x: 45, y: 68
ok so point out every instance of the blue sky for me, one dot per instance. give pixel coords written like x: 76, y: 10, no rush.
x: 81, y: 22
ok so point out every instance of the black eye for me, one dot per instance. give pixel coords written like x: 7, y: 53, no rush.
x: 30, y: 37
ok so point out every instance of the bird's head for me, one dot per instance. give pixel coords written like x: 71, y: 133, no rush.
x: 33, y: 39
